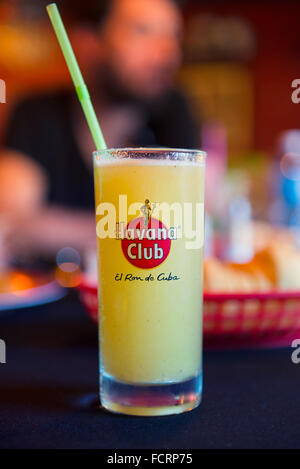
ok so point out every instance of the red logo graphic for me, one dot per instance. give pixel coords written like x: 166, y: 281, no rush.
x: 146, y: 242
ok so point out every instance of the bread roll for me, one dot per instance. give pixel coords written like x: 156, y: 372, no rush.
x: 280, y: 263
x: 233, y: 278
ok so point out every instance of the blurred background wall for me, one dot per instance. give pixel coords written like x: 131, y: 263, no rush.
x: 265, y: 65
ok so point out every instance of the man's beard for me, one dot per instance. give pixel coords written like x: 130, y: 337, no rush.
x: 115, y: 92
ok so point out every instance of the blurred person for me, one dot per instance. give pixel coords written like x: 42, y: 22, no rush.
x: 129, y: 51
x: 22, y: 187
x: 27, y: 180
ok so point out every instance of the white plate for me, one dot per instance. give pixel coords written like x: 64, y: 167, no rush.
x: 39, y: 295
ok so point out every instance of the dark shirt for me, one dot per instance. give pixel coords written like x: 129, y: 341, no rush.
x: 42, y: 128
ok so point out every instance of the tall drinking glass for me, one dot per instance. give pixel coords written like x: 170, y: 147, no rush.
x: 150, y: 229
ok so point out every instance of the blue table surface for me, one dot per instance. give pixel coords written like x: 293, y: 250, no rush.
x: 49, y: 383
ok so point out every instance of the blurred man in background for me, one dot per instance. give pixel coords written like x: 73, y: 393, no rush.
x: 129, y: 51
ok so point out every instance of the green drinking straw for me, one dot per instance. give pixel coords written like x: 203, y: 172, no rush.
x: 76, y: 75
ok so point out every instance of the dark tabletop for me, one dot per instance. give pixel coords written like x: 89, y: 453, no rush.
x: 49, y: 383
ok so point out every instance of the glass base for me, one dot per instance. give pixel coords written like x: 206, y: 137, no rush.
x: 150, y: 399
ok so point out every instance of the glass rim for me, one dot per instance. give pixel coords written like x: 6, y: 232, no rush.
x: 151, y: 150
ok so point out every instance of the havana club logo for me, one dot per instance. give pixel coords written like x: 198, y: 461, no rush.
x: 145, y: 241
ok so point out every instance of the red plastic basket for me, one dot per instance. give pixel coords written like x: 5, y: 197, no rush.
x: 251, y: 313
x: 271, y: 318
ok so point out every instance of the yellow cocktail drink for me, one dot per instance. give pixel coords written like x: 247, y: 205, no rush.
x: 150, y: 217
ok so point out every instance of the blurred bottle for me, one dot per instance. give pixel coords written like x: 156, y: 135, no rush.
x: 214, y: 142
x: 241, y: 248
x: 240, y: 237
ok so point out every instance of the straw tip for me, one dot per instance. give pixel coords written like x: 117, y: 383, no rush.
x: 51, y: 5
